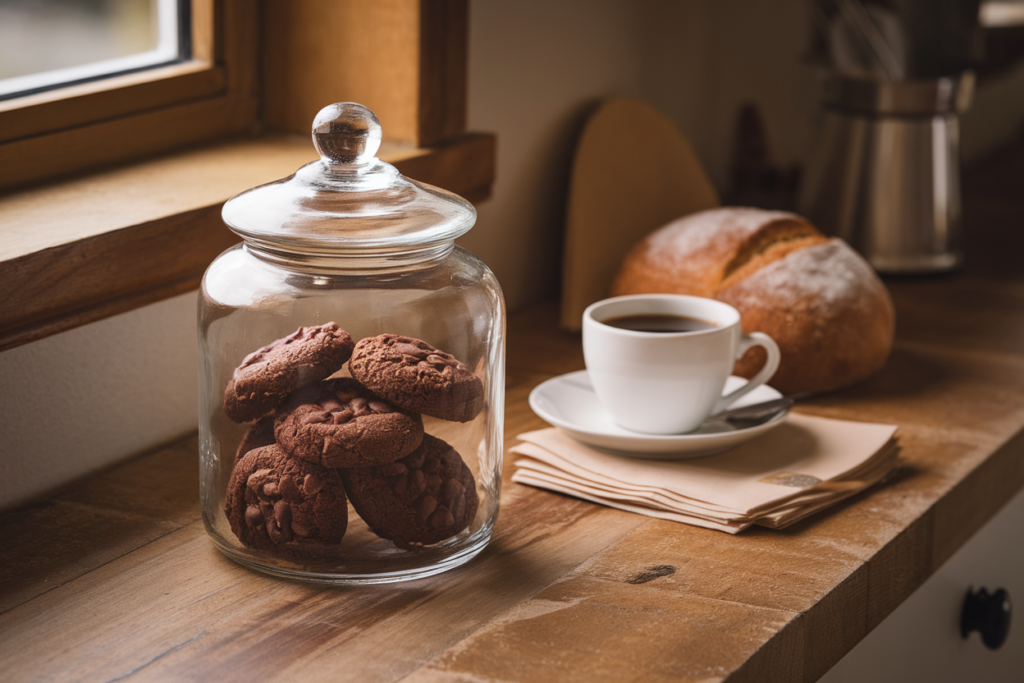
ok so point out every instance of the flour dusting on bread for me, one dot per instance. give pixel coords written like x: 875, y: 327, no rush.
x: 710, y: 230
x: 695, y: 231
x: 825, y: 280
x: 692, y: 254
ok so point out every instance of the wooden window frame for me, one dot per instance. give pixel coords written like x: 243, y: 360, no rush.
x: 127, y: 117
x: 102, y: 242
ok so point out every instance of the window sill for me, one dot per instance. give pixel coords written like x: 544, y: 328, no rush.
x: 85, y: 249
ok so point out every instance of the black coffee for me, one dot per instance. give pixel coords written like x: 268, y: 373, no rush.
x: 648, y: 322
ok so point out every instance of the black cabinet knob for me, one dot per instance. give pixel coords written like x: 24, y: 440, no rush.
x: 987, y: 614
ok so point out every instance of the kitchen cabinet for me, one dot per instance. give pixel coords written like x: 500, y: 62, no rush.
x: 921, y: 640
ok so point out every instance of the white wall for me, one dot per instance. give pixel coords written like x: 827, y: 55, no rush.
x: 80, y: 400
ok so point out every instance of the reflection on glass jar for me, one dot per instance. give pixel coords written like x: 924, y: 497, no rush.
x: 351, y: 372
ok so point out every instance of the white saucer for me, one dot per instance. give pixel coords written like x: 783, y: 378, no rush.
x: 569, y: 403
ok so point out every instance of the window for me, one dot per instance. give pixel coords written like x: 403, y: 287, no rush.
x: 48, y: 44
x: 212, y: 92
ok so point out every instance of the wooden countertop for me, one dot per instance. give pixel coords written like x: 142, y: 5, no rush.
x: 114, y: 577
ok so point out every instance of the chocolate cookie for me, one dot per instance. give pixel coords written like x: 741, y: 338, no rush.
x: 415, y: 376
x: 266, y: 377
x: 339, y: 423
x: 425, y: 497
x: 287, y: 507
x: 259, y: 435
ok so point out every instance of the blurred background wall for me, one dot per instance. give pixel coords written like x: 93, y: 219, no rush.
x: 537, y: 69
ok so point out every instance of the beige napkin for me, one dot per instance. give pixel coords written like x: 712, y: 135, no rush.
x: 802, y: 466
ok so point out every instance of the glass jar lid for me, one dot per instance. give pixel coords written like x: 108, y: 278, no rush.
x: 349, y: 202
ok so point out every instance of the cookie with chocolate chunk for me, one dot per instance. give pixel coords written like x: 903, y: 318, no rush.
x: 265, y: 378
x: 425, y: 497
x: 285, y: 506
x: 258, y: 435
x: 339, y: 423
x: 414, y: 375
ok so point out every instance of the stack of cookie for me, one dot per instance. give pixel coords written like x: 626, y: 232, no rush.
x: 316, y: 443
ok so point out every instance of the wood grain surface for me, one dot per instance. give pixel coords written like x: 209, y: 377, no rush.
x: 404, y: 59
x: 113, y: 577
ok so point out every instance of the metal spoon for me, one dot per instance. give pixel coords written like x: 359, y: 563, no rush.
x: 754, y: 414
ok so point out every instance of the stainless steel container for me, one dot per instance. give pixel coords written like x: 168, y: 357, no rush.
x: 885, y: 174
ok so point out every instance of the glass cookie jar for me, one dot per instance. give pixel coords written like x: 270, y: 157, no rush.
x: 351, y: 372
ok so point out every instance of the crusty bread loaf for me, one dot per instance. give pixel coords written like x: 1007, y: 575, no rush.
x: 823, y: 304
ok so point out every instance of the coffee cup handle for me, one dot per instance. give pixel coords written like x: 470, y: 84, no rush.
x: 771, y: 365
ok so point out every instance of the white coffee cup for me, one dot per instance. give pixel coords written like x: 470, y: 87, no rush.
x: 667, y: 382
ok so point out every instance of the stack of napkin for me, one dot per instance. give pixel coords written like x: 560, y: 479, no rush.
x: 805, y: 464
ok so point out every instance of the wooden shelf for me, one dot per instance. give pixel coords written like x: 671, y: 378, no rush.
x: 88, y: 248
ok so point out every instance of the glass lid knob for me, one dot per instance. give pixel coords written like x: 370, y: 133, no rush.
x: 346, y: 134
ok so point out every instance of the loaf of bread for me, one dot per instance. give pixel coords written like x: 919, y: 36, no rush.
x: 819, y: 300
